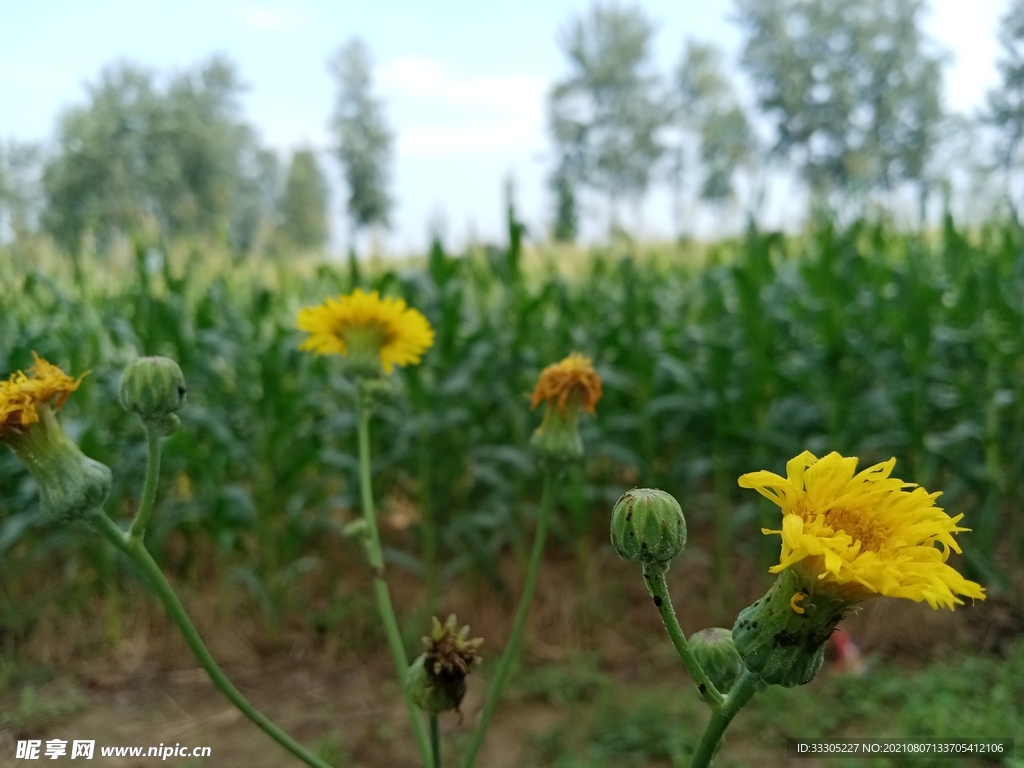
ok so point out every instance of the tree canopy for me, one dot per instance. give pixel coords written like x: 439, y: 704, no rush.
x: 363, y: 139
x: 852, y: 88
x: 304, y: 203
x: 180, y: 157
x: 710, y: 110
x: 606, y: 115
x: 19, y: 188
x: 1006, y: 102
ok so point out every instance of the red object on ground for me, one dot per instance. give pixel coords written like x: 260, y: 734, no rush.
x: 848, y: 656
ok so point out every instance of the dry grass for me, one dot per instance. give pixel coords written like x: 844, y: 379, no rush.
x: 339, y: 685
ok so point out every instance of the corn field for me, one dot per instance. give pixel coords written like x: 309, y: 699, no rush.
x: 863, y: 340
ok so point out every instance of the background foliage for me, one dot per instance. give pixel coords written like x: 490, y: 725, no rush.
x: 862, y: 340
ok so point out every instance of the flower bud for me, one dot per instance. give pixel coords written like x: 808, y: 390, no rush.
x: 782, y: 636
x: 71, y: 485
x: 648, y: 527
x: 567, y: 388
x: 558, y: 437
x: 715, y: 651
x: 154, y: 388
x: 436, y: 680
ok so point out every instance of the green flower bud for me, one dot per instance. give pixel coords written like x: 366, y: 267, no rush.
x: 436, y: 680
x: 430, y: 695
x: 715, y: 651
x: 648, y: 527
x: 154, y: 389
x: 558, y: 439
x: 782, y: 636
x: 72, y: 486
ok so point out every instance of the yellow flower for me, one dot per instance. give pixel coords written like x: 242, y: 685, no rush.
x: 364, y: 324
x: 862, y: 535
x: 20, y: 394
x: 71, y: 485
x: 575, y: 375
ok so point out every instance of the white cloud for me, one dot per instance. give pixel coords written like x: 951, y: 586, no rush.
x: 445, y: 112
x: 270, y: 19
x: 424, y: 80
x: 27, y: 75
x: 469, y: 136
x: 970, y: 37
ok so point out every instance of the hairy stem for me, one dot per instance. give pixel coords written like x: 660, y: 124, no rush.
x: 153, y: 441
x: 654, y: 576
x: 435, y: 740
x: 428, y: 519
x: 745, y: 687
x: 512, y: 647
x: 375, y: 555
x: 134, y: 549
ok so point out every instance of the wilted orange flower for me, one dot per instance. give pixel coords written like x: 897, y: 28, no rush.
x: 574, y: 375
x: 20, y: 394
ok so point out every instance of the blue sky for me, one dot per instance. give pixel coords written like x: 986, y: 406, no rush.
x: 464, y: 82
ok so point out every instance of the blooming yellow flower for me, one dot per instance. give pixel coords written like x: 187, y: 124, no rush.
x: 20, y: 394
x: 863, y: 535
x: 364, y: 323
x: 574, y: 375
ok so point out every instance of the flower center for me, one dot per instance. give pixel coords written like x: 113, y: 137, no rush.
x: 367, y: 339
x: 861, y: 528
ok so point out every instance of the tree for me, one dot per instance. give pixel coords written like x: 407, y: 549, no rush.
x: 97, y: 179
x: 1006, y: 104
x: 19, y: 188
x: 566, y: 226
x: 853, y: 88
x: 136, y: 155
x: 364, y: 141
x: 304, y: 203
x: 257, y: 190
x: 710, y: 111
x: 204, y: 157
x: 605, y: 117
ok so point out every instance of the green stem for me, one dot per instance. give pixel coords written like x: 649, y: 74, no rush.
x: 134, y: 549
x: 745, y: 687
x: 375, y: 555
x: 654, y: 576
x: 428, y: 521
x: 512, y: 646
x: 435, y: 740
x: 153, y: 440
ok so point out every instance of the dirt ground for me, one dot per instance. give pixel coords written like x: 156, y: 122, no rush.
x: 337, y: 689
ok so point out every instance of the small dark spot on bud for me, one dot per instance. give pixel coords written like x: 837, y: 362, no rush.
x: 753, y: 625
x: 702, y: 688
x: 657, y: 601
x: 647, y: 576
x: 786, y: 639
x: 643, y: 545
